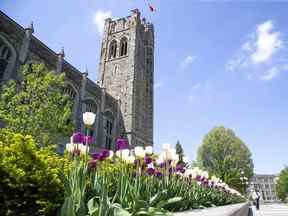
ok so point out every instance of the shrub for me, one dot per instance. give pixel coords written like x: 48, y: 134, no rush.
x: 29, y: 183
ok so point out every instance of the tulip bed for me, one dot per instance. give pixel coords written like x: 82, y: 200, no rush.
x: 138, y: 182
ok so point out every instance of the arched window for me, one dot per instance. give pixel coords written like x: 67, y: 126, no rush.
x: 113, y: 49
x: 108, y: 129
x: 123, y: 46
x: 5, y: 55
x: 69, y: 90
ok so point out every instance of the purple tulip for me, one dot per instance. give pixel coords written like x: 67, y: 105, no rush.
x: 150, y: 171
x: 78, y: 137
x: 88, y: 140
x: 180, y: 168
x: 96, y: 156
x: 162, y: 165
x: 121, y: 143
x: 105, y: 153
x: 147, y: 160
x: 158, y: 174
x: 92, y: 164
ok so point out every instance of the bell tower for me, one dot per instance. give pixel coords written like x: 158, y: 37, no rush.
x: 126, y: 71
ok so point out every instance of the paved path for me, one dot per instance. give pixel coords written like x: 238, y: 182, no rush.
x: 271, y: 210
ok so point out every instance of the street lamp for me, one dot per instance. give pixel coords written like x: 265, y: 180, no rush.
x: 244, y: 181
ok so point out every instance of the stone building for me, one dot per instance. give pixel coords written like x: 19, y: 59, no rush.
x: 265, y: 184
x: 122, y: 98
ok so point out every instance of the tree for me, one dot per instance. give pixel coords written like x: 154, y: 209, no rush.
x: 37, y: 106
x: 179, y: 151
x: 225, y: 155
x: 282, y: 185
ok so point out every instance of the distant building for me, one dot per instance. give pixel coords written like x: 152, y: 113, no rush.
x: 122, y: 98
x: 266, y: 184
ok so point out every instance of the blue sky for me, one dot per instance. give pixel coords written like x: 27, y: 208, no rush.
x: 215, y: 64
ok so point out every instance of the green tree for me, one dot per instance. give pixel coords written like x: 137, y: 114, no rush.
x: 37, y: 106
x: 225, y: 155
x: 282, y: 185
x: 179, y: 151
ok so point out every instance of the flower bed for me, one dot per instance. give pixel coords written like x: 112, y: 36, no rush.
x: 138, y: 182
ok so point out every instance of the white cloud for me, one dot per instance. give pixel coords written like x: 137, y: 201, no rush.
x: 268, y: 42
x: 99, y: 19
x: 158, y: 85
x: 262, y: 52
x: 187, y: 61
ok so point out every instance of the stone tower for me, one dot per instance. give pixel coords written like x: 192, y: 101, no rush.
x: 126, y: 72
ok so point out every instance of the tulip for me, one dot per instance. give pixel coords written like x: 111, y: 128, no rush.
x: 139, y: 152
x: 92, y: 164
x: 185, y: 159
x: 150, y: 171
x: 121, y: 143
x: 88, y: 140
x: 78, y: 137
x: 149, y: 150
x: 147, y: 160
x: 130, y: 159
x: 111, y: 154
x: 89, y: 118
x: 158, y: 174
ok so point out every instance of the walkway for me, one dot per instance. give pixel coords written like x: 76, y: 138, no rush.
x: 271, y: 210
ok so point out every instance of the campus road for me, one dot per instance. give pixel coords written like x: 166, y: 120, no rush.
x: 271, y: 210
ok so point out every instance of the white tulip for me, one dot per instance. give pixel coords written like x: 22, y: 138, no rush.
x: 205, y: 174
x: 160, y: 160
x: 89, y: 118
x: 149, y: 150
x: 111, y: 154
x: 151, y: 165
x: 139, y: 151
x: 123, y: 154
x: 130, y: 159
x: 69, y: 147
x: 185, y: 159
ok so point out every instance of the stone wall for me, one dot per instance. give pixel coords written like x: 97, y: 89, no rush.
x: 241, y: 209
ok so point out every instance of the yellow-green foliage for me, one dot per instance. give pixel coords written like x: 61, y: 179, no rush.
x: 29, y: 183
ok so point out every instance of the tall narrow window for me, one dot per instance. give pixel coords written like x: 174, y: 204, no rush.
x: 108, y: 128
x: 113, y: 49
x: 123, y: 46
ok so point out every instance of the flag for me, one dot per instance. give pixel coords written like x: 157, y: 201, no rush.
x: 152, y: 8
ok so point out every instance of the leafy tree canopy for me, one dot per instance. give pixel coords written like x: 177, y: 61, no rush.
x: 37, y: 106
x: 282, y: 185
x: 225, y: 155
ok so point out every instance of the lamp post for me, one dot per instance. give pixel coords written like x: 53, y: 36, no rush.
x: 244, y: 181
